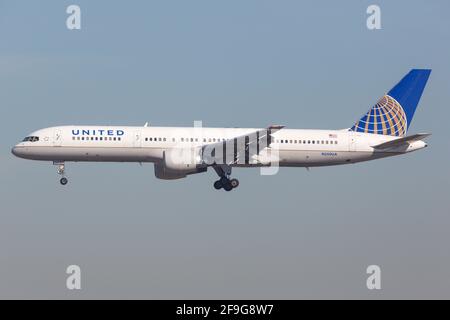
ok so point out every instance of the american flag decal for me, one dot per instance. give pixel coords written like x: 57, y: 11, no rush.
x: 333, y: 136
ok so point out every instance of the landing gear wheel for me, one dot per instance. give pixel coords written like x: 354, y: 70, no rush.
x: 224, y: 172
x: 228, y: 186
x: 234, y: 183
x: 61, y: 171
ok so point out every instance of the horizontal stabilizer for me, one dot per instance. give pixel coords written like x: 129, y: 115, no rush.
x: 401, y: 141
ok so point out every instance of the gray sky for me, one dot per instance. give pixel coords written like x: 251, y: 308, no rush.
x: 298, y: 234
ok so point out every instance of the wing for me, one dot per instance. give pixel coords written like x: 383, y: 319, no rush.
x: 239, y: 150
x: 401, y: 141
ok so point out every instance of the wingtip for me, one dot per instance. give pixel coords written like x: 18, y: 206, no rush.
x: 276, y: 127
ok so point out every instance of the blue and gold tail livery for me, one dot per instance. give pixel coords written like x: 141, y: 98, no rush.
x: 393, y: 113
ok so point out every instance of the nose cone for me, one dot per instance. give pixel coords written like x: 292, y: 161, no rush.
x: 17, y: 151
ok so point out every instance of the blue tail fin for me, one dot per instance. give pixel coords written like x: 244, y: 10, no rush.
x: 394, y: 112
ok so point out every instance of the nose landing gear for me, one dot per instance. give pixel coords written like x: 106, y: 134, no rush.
x: 61, y: 171
x: 225, y: 182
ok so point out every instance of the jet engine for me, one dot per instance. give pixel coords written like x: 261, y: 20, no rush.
x: 178, y: 163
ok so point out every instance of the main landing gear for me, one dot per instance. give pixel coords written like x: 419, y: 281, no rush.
x: 61, y: 171
x: 225, y: 182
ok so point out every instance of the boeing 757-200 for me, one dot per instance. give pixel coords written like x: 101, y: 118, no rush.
x: 181, y: 151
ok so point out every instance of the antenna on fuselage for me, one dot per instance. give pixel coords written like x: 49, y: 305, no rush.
x: 146, y: 125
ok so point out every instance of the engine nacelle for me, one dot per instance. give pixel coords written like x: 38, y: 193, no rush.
x: 182, y: 160
x: 162, y: 173
x: 178, y: 163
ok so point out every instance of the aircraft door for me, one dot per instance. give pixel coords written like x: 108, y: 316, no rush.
x: 57, y: 138
x: 351, y: 141
x: 137, y: 139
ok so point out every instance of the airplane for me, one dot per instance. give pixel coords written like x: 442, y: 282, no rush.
x: 177, y: 152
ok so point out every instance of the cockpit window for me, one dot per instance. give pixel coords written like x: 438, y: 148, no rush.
x: 31, y: 139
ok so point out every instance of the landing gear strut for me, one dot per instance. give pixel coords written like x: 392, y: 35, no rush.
x: 62, y: 172
x: 225, y: 182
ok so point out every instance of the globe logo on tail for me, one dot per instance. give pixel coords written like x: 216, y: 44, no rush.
x: 386, y: 117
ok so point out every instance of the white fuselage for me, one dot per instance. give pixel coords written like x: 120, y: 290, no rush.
x: 295, y: 148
